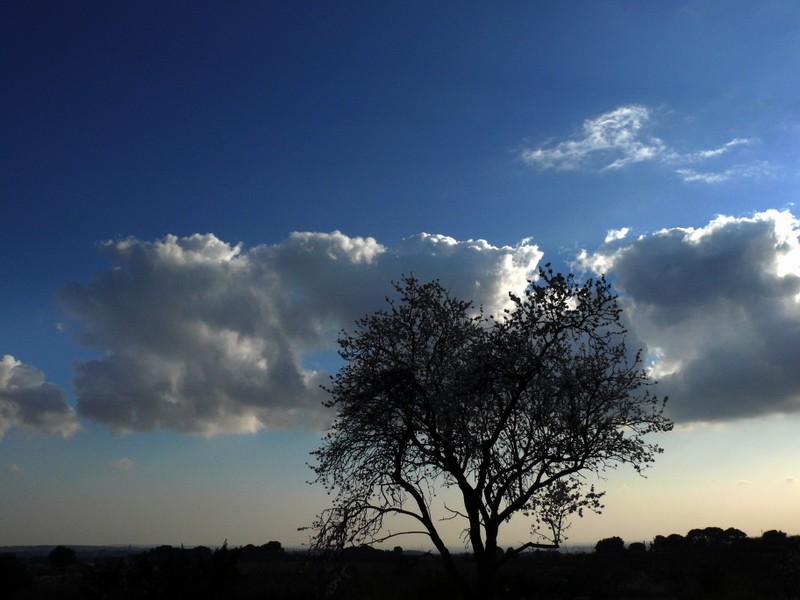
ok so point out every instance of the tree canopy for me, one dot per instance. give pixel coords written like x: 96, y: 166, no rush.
x: 511, y: 411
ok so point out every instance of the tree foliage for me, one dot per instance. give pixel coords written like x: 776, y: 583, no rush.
x: 510, y: 411
x: 62, y: 557
x: 612, y: 545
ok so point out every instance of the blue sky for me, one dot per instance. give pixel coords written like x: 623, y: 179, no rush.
x: 195, y: 197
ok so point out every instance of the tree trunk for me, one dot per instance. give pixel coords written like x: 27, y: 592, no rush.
x: 487, y: 570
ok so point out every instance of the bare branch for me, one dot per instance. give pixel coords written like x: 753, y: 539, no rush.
x: 510, y: 412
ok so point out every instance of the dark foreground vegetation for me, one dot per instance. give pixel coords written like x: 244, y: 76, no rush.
x: 705, y: 563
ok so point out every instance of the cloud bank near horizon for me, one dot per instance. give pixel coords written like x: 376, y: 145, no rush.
x: 622, y: 137
x: 202, y: 336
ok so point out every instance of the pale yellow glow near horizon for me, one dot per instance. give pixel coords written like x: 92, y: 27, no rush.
x: 723, y: 475
x: 744, y: 474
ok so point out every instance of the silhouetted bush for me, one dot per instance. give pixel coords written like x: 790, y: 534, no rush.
x: 224, y: 573
x: 271, y: 551
x: 272, y: 547
x: 672, y: 543
x: 14, y: 575
x: 774, y: 537
x: 62, y: 557
x: 734, y: 536
x: 705, y: 538
x: 363, y: 552
x: 637, y: 548
x: 612, y: 545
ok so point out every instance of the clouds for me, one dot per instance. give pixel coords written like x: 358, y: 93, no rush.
x: 719, y: 310
x: 124, y: 464
x: 203, y: 336
x: 757, y: 170
x: 30, y: 402
x: 199, y: 335
x: 614, y: 139
x: 622, y: 137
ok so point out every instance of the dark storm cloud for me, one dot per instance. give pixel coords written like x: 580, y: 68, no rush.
x: 202, y: 336
x: 719, y: 311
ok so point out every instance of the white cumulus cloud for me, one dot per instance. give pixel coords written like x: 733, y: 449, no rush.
x: 617, y: 234
x: 718, y: 309
x: 200, y: 335
x: 30, y: 402
x: 204, y: 336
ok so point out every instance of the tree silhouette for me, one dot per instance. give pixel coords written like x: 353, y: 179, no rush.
x: 733, y: 535
x: 612, y: 545
x: 637, y: 548
x: 510, y: 412
x: 774, y: 537
x: 713, y: 537
x: 62, y: 557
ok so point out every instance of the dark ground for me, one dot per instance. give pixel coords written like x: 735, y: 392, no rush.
x: 747, y: 569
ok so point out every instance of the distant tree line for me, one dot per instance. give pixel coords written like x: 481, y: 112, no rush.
x: 161, y: 572
x: 699, y: 539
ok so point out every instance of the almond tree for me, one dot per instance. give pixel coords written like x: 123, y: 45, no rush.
x: 511, y: 412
